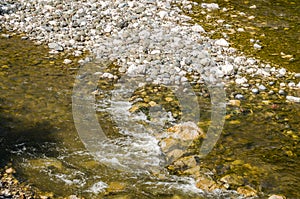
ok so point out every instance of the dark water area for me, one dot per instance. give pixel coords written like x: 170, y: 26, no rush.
x: 276, y: 24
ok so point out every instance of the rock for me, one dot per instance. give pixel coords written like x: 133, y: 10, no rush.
x: 55, y: 46
x: 281, y: 92
x: 236, y: 103
x: 257, y: 46
x: 186, y: 131
x: 206, y: 183
x: 239, y: 96
x: 247, y: 191
x: 293, y: 99
x: 255, y: 91
x: 210, y: 6
x: 5, y: 36
x: 73, y: 197
x: 186, y: 162
x: 271, y: 83
x: 10, y: 171
x: 277, y: 197
x: 107, y: 75
x: 177, y: 138
x: 262, y: 88
x: 67, y: 61
x: 221, y: 42
x: 228, y: 69
x: 162, y: 14
x: 282, y: 72
x: 291, y: 84
x: 232, y: 180
x: 297, y: 75
x: 197, y: 28
x: 241, y: 80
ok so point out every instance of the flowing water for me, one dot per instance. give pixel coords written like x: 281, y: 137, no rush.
x: 260, y: 140
x: 39, y: 137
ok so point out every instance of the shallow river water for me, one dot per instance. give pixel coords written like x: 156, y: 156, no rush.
x: 260, y: 140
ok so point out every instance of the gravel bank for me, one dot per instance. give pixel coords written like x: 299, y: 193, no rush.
x: 144, y: 37
x: 148, y: 37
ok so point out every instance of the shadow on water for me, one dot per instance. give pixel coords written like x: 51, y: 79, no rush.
x: 16, y: 137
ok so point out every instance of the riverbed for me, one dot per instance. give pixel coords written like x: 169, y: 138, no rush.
x: 259, y: 142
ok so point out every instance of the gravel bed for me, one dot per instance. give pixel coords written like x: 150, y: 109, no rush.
x: 150, y: 38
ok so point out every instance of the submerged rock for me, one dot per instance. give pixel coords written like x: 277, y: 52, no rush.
x: 247, y: 191
x: 178, y: 138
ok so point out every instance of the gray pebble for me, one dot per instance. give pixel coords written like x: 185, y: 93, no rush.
x: 55, y: 46
x: 281, y: 92
x: 239, y: 96
x: 255, y: 91
x: 262, y: 88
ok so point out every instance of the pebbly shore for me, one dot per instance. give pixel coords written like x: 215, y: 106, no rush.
x: 149, y: 37
x: 145, y: 37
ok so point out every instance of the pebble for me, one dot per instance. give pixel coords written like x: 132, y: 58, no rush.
x: 210, y: 6
x: 257, y: 46
x: 235, y: 103
x: 281, y: 92
x: 297, y: 75
x: 239, y: 96
x: 262, y: 88
x: 291, y: 84
x: 67, y: 61
x: 271, y: 83
x: 282, y: 72
x: 293, y: 99
x: 255, y: 91
x: 55, y: 46
x: 241, y: 80
x: 221, y: 42
x: 10, y: 171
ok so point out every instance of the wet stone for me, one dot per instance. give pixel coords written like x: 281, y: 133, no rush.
x: 239, y: 96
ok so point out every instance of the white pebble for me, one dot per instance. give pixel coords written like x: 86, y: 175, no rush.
x: 221, y: 42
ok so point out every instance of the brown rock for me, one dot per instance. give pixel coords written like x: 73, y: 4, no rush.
x: 186, y: 131
x: 206, y: 183
x: 178, y: 138
x: 235, y: 103
x: 247, y: 191
x: 187, y: 162
x: 232, y: 180
x: 10, y: 171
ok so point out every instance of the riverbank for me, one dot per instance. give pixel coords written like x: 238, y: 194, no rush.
x: 151, y: 33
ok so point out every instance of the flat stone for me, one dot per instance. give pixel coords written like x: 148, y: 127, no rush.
x: 247, y: 191
x: 55, y: 46
x: 293, y: 99
x: 262, y: 88
x: 255, y: 91
x: 67, y: 61
x: 221, y: 42
x: 239, y: 96
x: 236, y: 103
